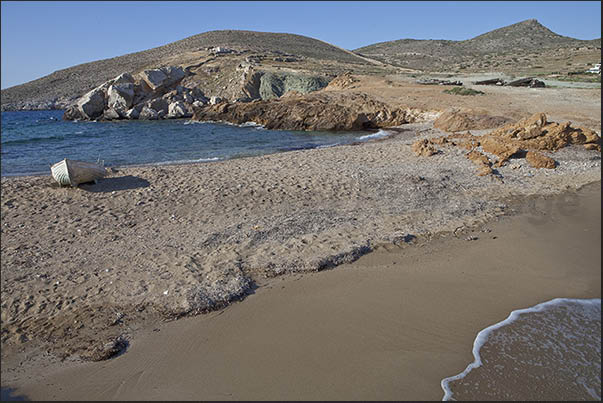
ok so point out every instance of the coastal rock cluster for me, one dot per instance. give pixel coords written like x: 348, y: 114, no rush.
x: 528, y: 138
x: 164, y: 94
x: 321, y: 110
x: 150, y: 95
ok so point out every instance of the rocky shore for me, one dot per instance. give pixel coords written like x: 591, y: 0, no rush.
x: 160, y: 94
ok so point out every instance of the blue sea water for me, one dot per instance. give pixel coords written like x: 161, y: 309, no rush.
x: 34, y: 140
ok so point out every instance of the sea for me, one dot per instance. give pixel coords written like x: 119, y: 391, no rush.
x: 34, y: 140
x: 551, y: 351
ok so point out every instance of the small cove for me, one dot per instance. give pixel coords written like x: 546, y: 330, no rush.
x: 34, y: 140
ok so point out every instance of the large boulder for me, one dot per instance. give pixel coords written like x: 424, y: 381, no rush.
x: 92, y: 104
x: 120, y: 96
x: 158, y: 104
x: 162, y: 78
x: 154, y: 78
x: 174, y: 75
x: 124, y: 78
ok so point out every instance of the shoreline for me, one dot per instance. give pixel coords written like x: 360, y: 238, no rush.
x: 393, y: 324
x: 360, y: 136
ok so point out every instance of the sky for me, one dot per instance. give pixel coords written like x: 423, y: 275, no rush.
x: 39, y: 38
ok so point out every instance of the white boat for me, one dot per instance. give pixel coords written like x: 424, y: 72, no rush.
x: 73, y: 172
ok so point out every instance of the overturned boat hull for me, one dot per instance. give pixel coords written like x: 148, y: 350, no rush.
x: 73, y: 172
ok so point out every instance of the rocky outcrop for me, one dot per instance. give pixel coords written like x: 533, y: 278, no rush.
x: 322, y: 110
x: 92, y: 104
x: 342, y: 82
x: 274, y: 85
x: 527, y: 82
x: 527, y: 138
x: 456, y: 120
x: 149, y: 95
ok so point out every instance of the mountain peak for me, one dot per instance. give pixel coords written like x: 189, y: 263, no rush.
x: 531, y: 21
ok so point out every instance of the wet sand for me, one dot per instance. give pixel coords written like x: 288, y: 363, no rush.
x: 542, y: 353
x: 391, y: 325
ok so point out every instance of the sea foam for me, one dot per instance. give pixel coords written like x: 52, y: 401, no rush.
x: 589, y: 308
x: 378, y: 135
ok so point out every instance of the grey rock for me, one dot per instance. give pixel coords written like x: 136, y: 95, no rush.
x: 178, y: 110
x: 111, y: 114
x: 125, y: 78
x: 154, y: 78
x: 92, y: 104
x: 148, y: 114
x: 527, y: 82
x: 120, y: 96
x: 170, y: 95
x: 158, y: 104
x: 174, y: 75
x: 133, y: 113
x: 72, y: 112
x: 198, y: 95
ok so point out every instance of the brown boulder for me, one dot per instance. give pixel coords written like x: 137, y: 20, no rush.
x: 481, y: 161
x: 538, y: 160
x: 502, y: 149
x: 423, y: 148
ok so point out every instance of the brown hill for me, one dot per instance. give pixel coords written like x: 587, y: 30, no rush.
x: 516, y: 48
x: 63, y: 86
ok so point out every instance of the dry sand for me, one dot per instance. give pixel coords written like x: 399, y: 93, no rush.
x: 389, y: 326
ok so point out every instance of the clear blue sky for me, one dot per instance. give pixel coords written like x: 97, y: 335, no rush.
x: 41, y: 37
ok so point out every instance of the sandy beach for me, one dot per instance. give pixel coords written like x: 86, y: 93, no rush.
x: 87, y: 271
x: 391, y: 325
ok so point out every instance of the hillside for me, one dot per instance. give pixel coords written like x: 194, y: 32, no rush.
x: 63, y: 86
x: 524, y: 48
x: 520, y: 47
